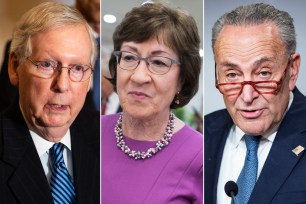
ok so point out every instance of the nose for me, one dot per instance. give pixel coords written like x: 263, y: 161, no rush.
x: 141, y: 74
x: 62, y: 80
x: 248, y: 93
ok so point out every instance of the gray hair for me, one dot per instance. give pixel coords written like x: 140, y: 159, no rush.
x: 46, y: 16
x: 256, y: 14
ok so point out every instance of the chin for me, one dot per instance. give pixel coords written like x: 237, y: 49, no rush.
x: 253, y: 128
x: 53, y: 122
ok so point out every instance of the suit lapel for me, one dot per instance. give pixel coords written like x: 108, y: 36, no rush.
x: 28, y: 181
x: 281, y: 160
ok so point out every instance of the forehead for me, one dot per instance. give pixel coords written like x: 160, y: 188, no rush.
x: 248, y: 42
x: 150, y: 46
x: 63, y: 39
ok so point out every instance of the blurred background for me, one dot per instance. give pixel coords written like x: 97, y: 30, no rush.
x: 10, y: 12
x: 111, y: 15
x: 214, y: 9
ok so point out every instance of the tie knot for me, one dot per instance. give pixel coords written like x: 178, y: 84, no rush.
x: 56, y: 153
x: 251, y: 142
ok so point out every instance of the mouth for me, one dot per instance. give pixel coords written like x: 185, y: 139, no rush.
x: 138, y: 95
x: 251, y: 114
x: 56, y: 107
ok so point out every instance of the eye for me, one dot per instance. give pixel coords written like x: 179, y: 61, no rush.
x: 159, y: 62
x: 232, y: 75
x: 265, y: 74
x: 129, y: 57
x: 46, y: 64
x: 78, y: 68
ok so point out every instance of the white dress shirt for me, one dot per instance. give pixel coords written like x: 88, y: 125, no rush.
x: 234, y: 155
x: 43, y: 146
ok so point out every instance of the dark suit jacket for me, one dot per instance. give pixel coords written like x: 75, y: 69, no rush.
x: 8, y: 92
x: 22, y: 178
x: 283, y: 177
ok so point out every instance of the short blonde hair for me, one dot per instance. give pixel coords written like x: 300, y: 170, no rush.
x: 46, y: 16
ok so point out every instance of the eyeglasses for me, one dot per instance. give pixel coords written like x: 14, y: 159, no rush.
x: 262, y: 87
x: 77, y: 72
x: 156, y: 64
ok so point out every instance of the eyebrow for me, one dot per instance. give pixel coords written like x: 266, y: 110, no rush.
x: 257, y: 63
x: 156, y: 52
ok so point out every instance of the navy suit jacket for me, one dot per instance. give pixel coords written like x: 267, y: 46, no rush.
x: 22, y: 178
x: 283, y: 177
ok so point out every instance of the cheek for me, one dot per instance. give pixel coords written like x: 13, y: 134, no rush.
x: 79, y: 90
x: 121, y: 81
x: 33, y: 88
x: 229, y: 101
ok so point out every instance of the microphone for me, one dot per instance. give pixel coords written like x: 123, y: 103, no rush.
x: 231, y: 190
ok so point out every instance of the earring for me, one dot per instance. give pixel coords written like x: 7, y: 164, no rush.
x: 177, y: 100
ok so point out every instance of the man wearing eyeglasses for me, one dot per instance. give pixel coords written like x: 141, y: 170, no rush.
x: 258, y: 141
x: 50, y: 147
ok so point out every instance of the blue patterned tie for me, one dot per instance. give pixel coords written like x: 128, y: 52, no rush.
x: 61, y: 183
x: 248, y: 175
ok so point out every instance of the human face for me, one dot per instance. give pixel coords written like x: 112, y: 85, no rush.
x: 143, y: 94
x: 255, y: 53
x: 51, y: 105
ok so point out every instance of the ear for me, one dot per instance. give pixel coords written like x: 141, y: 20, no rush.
x: 294, y: 70
x: 12, y: 69
x: 89, y: 83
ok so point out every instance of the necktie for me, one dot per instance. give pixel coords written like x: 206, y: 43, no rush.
x: 248, y: 175
x: 61, y: 183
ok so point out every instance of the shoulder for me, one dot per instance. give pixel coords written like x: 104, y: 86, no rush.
x: 299, y: 102
x: 191, y: 135
x: 217, y: 118
x: 88, y: 117
x: 108, y: 123
x: 217, y: 115
x: 189, y: 153
x: 189, y: 144
x: 109, y: 120
x: 87, y: 123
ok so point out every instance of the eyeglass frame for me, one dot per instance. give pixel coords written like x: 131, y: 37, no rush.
x: 253, y: 83
x: 118, y: 54
x: 59, y: 68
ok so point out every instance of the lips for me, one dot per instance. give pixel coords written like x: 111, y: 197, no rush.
x: 57, y: 107
x: 138, y: 95
x: 251, y: 113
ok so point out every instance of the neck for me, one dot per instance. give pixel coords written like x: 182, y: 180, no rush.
x: 147, y: 129
x: 52, y: 134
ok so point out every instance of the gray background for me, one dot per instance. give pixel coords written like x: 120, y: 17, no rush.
x: 213, y: 9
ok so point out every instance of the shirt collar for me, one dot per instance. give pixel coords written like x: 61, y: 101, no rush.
x: 42, y: 145
x: 237, y: 133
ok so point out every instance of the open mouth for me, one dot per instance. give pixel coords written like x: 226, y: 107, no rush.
x: 251, y: 114
x: 57, y: 107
